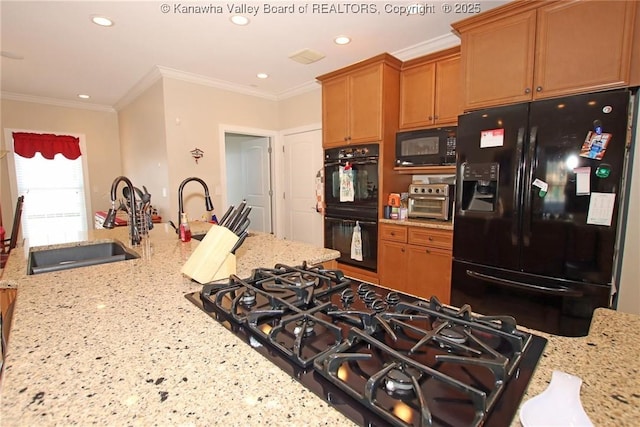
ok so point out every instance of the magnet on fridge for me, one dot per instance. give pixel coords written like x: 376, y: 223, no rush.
x: 603, y: 171
x: 543, y: 186
x: 597, y: 127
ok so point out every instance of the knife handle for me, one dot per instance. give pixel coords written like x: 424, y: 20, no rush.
x: 239, y: 242
x: 226, y: 215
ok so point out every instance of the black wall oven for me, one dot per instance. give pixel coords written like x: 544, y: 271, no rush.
x: 351, y: 194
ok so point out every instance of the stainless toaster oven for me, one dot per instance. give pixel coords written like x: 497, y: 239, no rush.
x: 431, y: 201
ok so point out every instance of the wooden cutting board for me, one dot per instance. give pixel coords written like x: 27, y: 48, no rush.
x: 211, y: 259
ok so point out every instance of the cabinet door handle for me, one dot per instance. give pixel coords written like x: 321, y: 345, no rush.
x: 435, y: 117
x: 393, y: 233
x: 527, y: 90
x: 427, y: 251
x: 539, y: 89
x: 402, y: 250
x: 430, y: 117
x: 430, y: 239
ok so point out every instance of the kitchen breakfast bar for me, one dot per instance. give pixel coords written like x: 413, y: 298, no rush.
x: 119, y: 344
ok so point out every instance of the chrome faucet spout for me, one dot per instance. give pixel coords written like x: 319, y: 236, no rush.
x: 207, y: 199
x: 110, y: 220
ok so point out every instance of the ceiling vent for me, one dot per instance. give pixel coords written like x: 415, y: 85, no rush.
x: 306, y: 56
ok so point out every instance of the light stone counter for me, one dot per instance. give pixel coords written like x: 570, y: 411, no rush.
x: 118, y: 344
x: 425, y: 223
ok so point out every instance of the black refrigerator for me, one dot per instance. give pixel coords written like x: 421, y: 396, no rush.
x: 538, y: 190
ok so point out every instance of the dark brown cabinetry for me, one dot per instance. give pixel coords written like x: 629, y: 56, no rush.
x: 416, y: 260
x: 531, y: 50
x: 429, y: 90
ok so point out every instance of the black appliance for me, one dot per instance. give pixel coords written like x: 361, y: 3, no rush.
x: 426, y: 147
x: 380, y: 357
x: 539, y: 189
x: 360, y: 164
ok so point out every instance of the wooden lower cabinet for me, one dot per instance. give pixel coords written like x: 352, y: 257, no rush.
x: 392, y: 265
x: 429, y: 272
x: 415, y: 260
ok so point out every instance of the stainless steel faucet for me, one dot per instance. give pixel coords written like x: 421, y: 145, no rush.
x: 110, y: 220
x: 207, y: 199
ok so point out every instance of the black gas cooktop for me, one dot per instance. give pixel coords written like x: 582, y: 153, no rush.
x: 380, y: 357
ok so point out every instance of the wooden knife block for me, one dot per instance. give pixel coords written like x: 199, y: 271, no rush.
x: 212, y: 258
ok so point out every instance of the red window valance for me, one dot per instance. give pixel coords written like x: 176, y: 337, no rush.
x: 28, y: 144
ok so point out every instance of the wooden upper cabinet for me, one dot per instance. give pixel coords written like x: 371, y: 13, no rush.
x: 417, y: 90
x: 497, y: 61
x: 430, y: 90
x: 365, y: 105
x: 354, y: 101
x: 334, y: 111
x: 448, y: 101
x: 531, y: 50
x: 583, y: 46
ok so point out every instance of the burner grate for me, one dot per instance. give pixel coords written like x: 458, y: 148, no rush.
x: 389, y: 357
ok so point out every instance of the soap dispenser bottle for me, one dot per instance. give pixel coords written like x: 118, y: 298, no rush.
x: 185, y: 231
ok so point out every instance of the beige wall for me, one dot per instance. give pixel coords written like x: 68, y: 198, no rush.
x: 301, y: 110
x: 194, y: 114
x: 103, y: 145
x: 629, y: 297
x: 144, y: 147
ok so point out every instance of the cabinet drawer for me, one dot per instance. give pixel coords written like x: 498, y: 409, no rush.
x: 431, y: 237
x: 394, y: 233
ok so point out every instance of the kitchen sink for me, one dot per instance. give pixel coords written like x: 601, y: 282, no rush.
x: 68, y: 257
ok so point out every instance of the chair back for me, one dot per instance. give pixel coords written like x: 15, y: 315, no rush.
x: 17, y: 216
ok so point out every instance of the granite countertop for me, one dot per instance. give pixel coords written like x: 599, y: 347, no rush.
x: 426, y: 223
x: 118, y: 344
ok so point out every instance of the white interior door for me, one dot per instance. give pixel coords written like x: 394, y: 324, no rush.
x: 257, y: 182
x: 303, y: 159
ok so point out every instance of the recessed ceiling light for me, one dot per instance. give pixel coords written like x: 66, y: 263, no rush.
x: 102, y: 21
x: 342, y: 40
x: 239, y: 20
x: 83, y: 96
x: 262, y: 75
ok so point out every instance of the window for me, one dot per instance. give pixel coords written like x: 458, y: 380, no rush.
x: 54, y: 207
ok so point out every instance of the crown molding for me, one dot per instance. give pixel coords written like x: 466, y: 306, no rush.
x: 56, y: 102
x: 299, y: 90
x: 142, y: 85
x: 430, y: 46
x: 208, y: 81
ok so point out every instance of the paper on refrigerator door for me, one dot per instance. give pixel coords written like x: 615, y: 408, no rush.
x: 601, y: 208
x: 583, y: 181
x: 492, y: 138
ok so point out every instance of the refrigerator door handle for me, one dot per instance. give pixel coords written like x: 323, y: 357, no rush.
x: 561, y: 291
x: 517, y: 173
x: 526, y: 223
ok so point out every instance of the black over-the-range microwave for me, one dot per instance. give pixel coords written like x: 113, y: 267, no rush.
x: 426, y: 147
